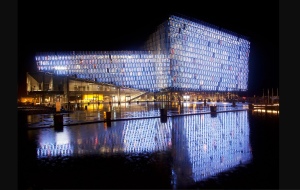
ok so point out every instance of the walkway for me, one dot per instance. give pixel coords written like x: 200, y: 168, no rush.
x: 126, y: 111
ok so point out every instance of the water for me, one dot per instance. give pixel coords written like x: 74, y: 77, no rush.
x: 95, y: 113
x: 237, y: 149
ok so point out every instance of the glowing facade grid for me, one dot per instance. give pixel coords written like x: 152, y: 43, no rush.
x: 204, y: 58
x: 181, y: 55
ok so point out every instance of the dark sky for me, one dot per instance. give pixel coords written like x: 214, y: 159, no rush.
x: 125, y: 25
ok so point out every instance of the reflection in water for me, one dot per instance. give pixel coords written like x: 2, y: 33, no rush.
x: 54, y: 144
x: 205, y: 146
x: 201, y: 145
x: 131, y: 136
x: 146, y: 135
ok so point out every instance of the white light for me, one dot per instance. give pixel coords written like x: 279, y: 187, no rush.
x: 186, y: 97
x: 60, y: 68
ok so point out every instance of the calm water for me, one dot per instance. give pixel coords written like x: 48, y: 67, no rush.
x: 96, y: 113
x: 237, y: 149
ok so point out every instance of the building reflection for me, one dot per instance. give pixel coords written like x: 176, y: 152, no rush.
x: 131, y: 136
x: 146, y: 135
x: 54, y: 144
x: 201, y: 145
x: 204, y: 146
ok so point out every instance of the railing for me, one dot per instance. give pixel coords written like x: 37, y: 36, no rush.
x: 139, y: 95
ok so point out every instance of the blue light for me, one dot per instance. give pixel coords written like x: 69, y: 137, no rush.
x: 181, y: 54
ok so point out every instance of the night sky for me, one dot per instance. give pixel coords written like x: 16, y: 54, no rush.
x: 125, y: 25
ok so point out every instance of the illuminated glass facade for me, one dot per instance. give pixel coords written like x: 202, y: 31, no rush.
x: 181, y: 55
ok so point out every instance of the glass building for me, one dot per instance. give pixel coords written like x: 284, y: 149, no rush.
x: 181, y: 55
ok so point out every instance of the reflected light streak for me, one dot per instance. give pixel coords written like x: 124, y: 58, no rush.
x: 267, y: 111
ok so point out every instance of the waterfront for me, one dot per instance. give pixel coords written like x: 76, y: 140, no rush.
x: 234, y: 149
x: 96, y: 113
